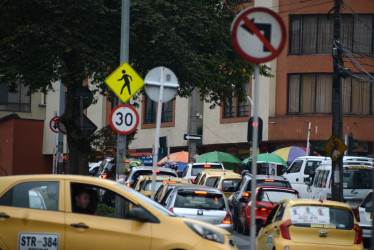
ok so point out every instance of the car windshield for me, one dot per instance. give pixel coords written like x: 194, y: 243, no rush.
x: 230, y: 185
x: 198, y: 168
x: 368, y: 202
x: 149, y: 172
x: 148, y: 185
x: 355, y: 178
x: 295, y: 167
x: 321, y: 216
x: 200, y: 200
x: 275, y: 196
x: 154, y: 204
x: 270, y: 183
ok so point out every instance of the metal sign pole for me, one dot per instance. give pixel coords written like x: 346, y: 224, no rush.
x: 158, y: 124
x: 254, y: 160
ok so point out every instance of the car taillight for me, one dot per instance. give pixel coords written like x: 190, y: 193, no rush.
x: 261, y: 209
x: 245, y: 195
x: 201, y: 192
x: 328, y: 197
x: 206, y: 166
x: 128, y: 184
x: 171, y: 209
x: 220, y: 189
x: 104, y: 176
x: 227, y: 219
x: 358, y: 237
x: 284, y: 229
x: 356, y: 212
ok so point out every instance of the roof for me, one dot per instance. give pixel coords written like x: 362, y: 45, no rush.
x: 151, y: 168
x: 294, y: 202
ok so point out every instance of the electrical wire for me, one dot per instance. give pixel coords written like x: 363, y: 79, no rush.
x: 356, y: 16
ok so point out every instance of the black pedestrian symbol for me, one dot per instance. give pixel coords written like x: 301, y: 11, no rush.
x: 125, y: 77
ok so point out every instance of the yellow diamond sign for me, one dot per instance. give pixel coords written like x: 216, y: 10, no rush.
x: 124, y: 82
x: 335, y: 148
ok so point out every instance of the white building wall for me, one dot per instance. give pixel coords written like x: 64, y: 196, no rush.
x: 145, y: 138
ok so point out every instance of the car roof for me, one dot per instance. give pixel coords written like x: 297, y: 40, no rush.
x: 197, y: 187
x: 272, y: 177
x: 162, y: 177
x: 295, y: 202
x: 311, y: 157
x: 276, y: 188
x: 134, y: 169
x: 206, y: 163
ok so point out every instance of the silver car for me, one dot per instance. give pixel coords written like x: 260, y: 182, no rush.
x: 201, y: 203
x: 365, y: 215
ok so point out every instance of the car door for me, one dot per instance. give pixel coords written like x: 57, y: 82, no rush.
x: 101, y: 226
x: 32, y: 216
x: 264, y: 238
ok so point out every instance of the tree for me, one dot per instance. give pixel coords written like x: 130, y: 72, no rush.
x: 43, y: 41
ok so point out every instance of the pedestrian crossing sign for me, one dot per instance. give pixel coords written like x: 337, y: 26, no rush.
x: 124, y: 82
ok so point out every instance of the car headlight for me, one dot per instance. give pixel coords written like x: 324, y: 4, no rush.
x: 206, y: 232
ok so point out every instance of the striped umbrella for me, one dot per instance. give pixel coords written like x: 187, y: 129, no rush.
x: 290, y: 153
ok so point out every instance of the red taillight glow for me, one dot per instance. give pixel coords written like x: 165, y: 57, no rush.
x: 157, y: 171
x: 227, y: 219
x: 104, y: 176
x: 245, y: 195
x: 201, y: 192
x: 171, y: 209
x: 261, y: 209
x: 284, y: 229
x: 358, y: 237
x: 207, y: 166
x: 128, y: 184
x: 269, y: 180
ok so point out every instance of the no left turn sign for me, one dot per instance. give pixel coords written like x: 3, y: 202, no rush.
x: 124, y: 119
x: 258, y: 34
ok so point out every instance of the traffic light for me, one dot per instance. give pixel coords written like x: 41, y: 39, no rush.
x: 352, y: 145
x: 251, y: 125
x: 163, y: 146
x: 82, y: 99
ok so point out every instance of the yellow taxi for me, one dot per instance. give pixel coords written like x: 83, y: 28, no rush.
x: 79, y: 212
x: 144, y: 183
x: 309, y: 225
x: 228, y: 183
x: 208, y: 177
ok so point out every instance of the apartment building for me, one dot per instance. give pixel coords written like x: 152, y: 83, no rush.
x: 299, y: 94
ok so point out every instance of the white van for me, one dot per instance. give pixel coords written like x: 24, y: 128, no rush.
x: 357, y: 180
x: 300, y: 169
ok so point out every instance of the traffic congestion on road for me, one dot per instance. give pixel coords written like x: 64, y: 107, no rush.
x: 65, y: 211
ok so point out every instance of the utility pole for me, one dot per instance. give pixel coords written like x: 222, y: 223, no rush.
x: 337, y: 113
x: 193, y: 129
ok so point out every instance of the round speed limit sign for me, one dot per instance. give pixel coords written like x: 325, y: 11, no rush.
x: 124, y: 119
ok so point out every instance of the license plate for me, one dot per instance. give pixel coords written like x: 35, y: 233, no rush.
x: 42, y: 241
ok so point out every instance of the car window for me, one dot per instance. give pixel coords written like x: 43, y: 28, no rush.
x: 200, y: 200
x: 321, y: 216
x: 311, y: 166
x: 148, y: 185
x: 357, y: 178
x: 202, y: 180
x: 185, y: 171
x: 210, y: 181
x: 230, y: 185
x: 324, y: 178
x: 159, y: 192
x: 274, y: 196
x: 272, y: 183
x: 295, y: 167
x: 368, y: 202
x: 280, y: 212
x: 101, y: 201
x: 198, y: 168
x: 271, y: 215
x: 42, y: 195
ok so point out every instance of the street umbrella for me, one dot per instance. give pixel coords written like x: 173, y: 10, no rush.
x: 289, y: 154
x: 217, y: 156
x: 181, y: 156
x: 268, y: 158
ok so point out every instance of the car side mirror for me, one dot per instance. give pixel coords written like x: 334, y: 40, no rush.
x: 139, y: 214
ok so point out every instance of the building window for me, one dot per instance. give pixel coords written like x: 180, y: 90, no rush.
x: 232, y: 108
x: 150, y: 111
x: 357, y: 96
x: 313, y: 34
x: 309, y: 93
x: 17, y: 101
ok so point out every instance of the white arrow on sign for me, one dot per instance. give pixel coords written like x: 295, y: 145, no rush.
x: 192, y: 137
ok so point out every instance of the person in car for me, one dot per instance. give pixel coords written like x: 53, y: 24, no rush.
x: 81, y: 202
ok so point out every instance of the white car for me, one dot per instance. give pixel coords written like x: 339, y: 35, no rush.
x: 201, y: 203
x: 365, y: 215
x: 193, y: 169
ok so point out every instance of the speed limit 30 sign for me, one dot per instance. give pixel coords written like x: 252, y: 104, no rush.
x: 124, y: 119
